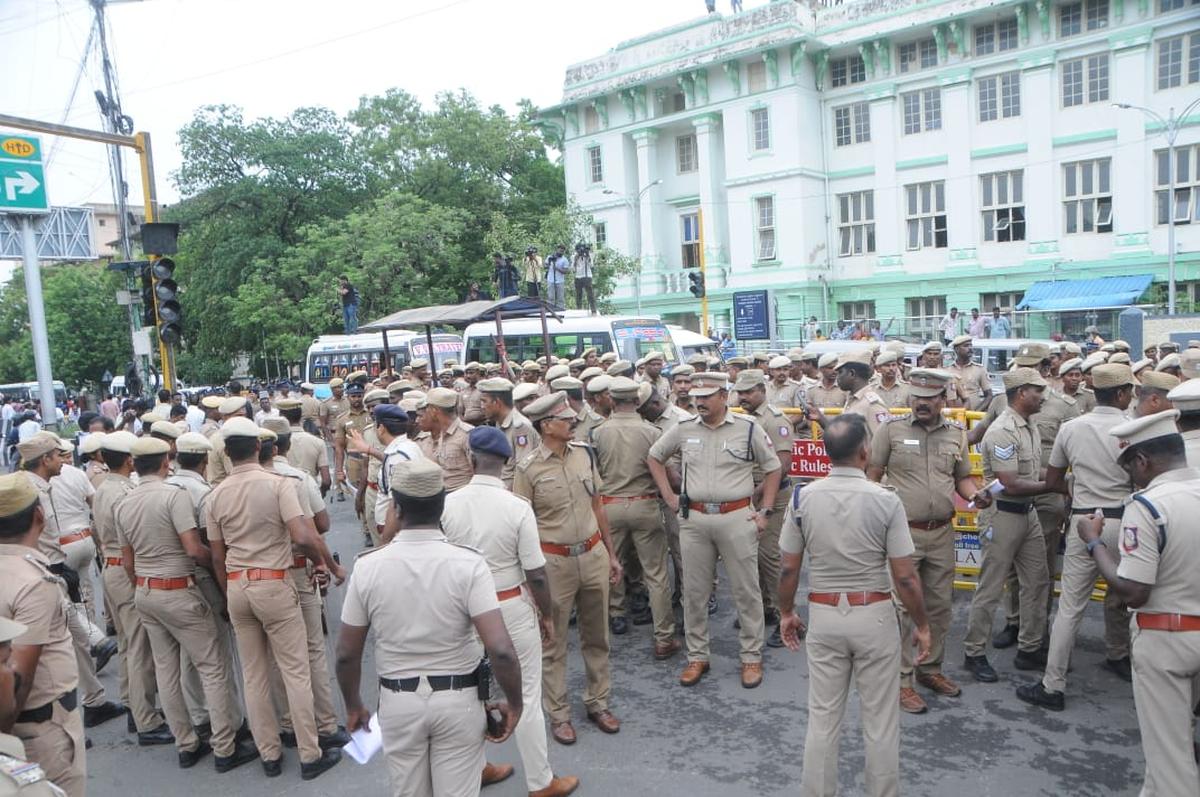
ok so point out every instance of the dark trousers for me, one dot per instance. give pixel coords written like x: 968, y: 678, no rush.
x: 585, y: 284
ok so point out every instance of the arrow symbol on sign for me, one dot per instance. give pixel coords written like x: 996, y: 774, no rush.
x: 23, y: 183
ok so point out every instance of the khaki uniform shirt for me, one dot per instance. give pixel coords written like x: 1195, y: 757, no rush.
x: 1087, y: 398
x: 418, y: 593
x: 219, y: 463
x: 560, y: 488
x: 718, y: 463
x: 485, y: 516
x: 104, y: 508
x: 1191, y: 445
x: 306, y: 488
x: 894, y: 396
x: 1011, y: 445
x: 310, y: 408
x: 249, y: 513
x: 922, y: 465
x: 72, y: 489
x: 470, y: 407
x: 790, y: 395
x: 523, y: 439
x: 849, y: 527
x: 307, y: 452
x: 33, y: 596
x: 359, y: 420
x: 48, y: 541
x: 662, y: 385
x: 451, y: 451
x: 589, y: 419
x: 197, y: 488
x: 150, y: 520
x: 1056, y: 410
x: 374, y: 466
x: 333, y: 408
x: 1085, y: 446
x: 16, y: 775
x: 780, y: 432
x: 823, y: 396
x: 670, y: 417
x: 96, y: 470
x: 973, y: 384
x: 622, y: 444
x: 867, y: 403
x: 1169, y: 565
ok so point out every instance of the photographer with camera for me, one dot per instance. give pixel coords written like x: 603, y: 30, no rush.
x: 505, y: 275
x: 557, y: 267
x: 532, y: 271
x: 583, y: 276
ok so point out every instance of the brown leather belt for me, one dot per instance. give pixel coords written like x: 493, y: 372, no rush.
x: 852, y: 598
x: 625, y: 499
x: 511, y: 592
x: 299, y: 562
x: 373, y: 486
x: 82, y: 534
x: 258, y: 574
x: 577, y: 549
x: 1150, y: 621
x: 930, y: 525
x: 114, y: 561
x: 164, y: 583
x: 719, y: 507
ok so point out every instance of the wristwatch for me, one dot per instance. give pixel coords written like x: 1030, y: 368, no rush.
x: 1091, y: 546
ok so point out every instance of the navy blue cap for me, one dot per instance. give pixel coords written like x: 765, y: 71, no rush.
x: 355, y: 388
x: 385, y: 412
x: 489, y: 440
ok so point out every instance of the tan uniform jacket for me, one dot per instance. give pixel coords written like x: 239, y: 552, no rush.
x: 824, y: 397
x: 1167, y: 560
x: 307, y: 452
x: 109, y: 494
x: 470, y: 408
x: 922, y: 464
x: 867, y: 403
x: 1011, y: 445
x: 894, y: 396
x: 622, y: 444
x: 451, y: 451
x: 249, y: 512
x: 34, y: 597
x: 150, y: 520
x: 560, y: 489
x: 718, y: 463
x: 973, y: 384
x: 523, y: 439
x: 1084, y: 445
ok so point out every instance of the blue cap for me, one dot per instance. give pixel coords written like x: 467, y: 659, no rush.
x: 389, y: 412
x: 355, y: 388
x: 489, y: 440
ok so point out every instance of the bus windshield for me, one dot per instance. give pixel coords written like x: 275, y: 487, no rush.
x: 636, y: 339
x: 337, y: 355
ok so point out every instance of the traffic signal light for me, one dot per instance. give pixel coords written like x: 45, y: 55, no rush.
x: 166, y: 292
x: 696, y: 284
x: 148, y: 319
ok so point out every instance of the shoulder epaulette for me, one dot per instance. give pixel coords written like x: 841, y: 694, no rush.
x: 465, y: 547
x: 367, y: 551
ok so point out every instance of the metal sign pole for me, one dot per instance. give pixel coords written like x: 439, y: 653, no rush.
x: 37, y: 324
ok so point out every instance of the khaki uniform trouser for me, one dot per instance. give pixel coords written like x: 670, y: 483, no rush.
x: 57, y: 746
x: 638, y: 524
x: 582, y: 582
x: 178, y: 620
x: 1165, y: 668
x: 860, y: 644
x: 193, y: 687
x: 671, y: 524
x: 934, y: 561
x: 520, y: 618
x: 138, y: 688
x: 1052, y: 513
x: 433, y: 742
x: 267, y: 621
x: 370, y: 498
x: 768, y: 553
x: 734, y: 537
x: 318, y: 662
x: 1009, y: 540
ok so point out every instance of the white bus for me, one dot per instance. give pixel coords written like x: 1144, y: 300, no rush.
x: 631, y: 337
x: 338, y: 355
x: 25, y: 392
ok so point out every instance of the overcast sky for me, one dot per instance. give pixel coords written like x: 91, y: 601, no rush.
x: 272, y: 56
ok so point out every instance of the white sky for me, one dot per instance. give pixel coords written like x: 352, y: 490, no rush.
x: 272, y: 56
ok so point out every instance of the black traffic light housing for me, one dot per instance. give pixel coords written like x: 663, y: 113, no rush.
x: 696, y: 283
x: 166, y: 294
x: 148, y: 319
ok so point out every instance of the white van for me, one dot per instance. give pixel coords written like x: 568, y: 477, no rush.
x: 689, y: 343
x: 631, y: 337
x: 338, y: 355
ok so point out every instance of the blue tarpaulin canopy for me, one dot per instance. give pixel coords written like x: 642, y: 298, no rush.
x: 1085, y: 294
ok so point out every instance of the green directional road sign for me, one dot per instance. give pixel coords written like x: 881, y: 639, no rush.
x: 22, y: 177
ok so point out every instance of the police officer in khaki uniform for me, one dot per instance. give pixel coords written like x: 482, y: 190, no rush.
x: 160, y: 549
x: 19, y: 776
x: 306, y: 452
x: 310, y: 409
x: 560, y: 480
x: 497, y: 403
x: 367, y: 497
x: 349, y: 467
x: 471, y: 399
x: 1010, y: 533
x: 854, y: 377
x: 720, y: 451
x: 858, y: 547
x: 333, y: 407
x: 212, y: 415
x: 891, y: 391
x: 218, y: 461
x: 89, y: 451
x: 826, y: 393
x: 781, y: 390
x: 663, y: 415
x: 925, y: 459
x: 653, y: 363
x: 1156, y: 575
x: 589, y: 419
x: 48, y: 720
x: 443, y: 437
x: 630, y: 498
x: 254, y: 519
x: 1186, y: 398
x: 972, y: 388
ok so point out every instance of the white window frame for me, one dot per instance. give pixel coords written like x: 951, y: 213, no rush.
x: 856, y: 223
x: 857, y: 311
x: 998, y: 40
x: 1088, y: 211
x: 928, y: 113
x: 923, y: 314
x: 687, y: 154
x: 847, y: 71
x: 1085, y: 80
x: 766, y: 242
x: 591, y: 120
x: 1181, y: 70
x: 999, y: 96
x: 1082, y: 16
x: 856, y: 117
x: 595, y: 164
x: 1002, y: 206
x: 1187, y: 185
x: 600, y: 234
x: 689, y: 248
x: 760, y: 136
x: 925, y: 215
x: 917, y: 55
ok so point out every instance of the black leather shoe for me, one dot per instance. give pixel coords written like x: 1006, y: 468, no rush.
x: 97, y: 715
x: 712, y: 605
x: 87, y: 744
x: 979, y: 668
x: 1037, y: 695
x: 242, y: 754
x: 643, y: 617
x: 104, y: 651
x: 160, y: 735
x: 1030, y: 659
x: 288, y: 739
x: 338, y: 739
x: 189, y: 758
x: 273, y: 769
x: 1120, y: 668
x: 1007, y: 637
x: 618, y: 625
x: 775, y: 640
x: 204, y: 731
x: 771, y: 617
x: 243, y: 733
x: 327, y: 761
x: 130, y: 725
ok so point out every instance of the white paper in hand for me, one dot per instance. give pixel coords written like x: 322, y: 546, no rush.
x: 365, y: 744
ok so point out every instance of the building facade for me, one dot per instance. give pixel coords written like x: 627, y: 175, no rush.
x: 106, y: 228
x: 888, y: 160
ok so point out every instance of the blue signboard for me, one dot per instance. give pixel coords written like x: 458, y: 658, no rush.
x: 751, y: 321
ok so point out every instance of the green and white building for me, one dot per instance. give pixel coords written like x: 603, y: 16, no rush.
x: 884, y: 159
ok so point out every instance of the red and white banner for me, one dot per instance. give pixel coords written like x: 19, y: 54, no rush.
x: 809, y: 459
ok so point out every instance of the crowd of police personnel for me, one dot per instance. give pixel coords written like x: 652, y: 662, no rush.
x: 503, y: 503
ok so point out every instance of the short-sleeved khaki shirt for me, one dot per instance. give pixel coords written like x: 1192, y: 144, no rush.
x: 306, y: 488
x: 1056, y: 410
x: 719, y: 462
x: 35, y: 597
x: 822, y: 396
x: 358, y: 420
x: 560, y: 489
x: 210, y: 428
x: 790, y: 395
x: 72, y: 490
x: 219, y: 463
x: 333, y: 408
x: 451, y: 451
x: 310, y: 407
x: 1010, y: 445
x: 307, y: 452
x: 973, y: 383
x: 249, y: 512
x: 622, y: 444
x: 150, y: 520
x: 109, y: 494
x: 922, y: 465
x: 522, y: 437
x: 1169, y: 565
x: 849, y: 528
x: 867, y: 403
x: 894, y: 396
x: 780, y: 432
x: 197, y: 488
x: 485, y: 516
x: 48, y: 541
x: 1085, y: 446
x: 470, y: 406
x: 589, y: 419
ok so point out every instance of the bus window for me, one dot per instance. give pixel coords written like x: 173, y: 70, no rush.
x: 637, y: 339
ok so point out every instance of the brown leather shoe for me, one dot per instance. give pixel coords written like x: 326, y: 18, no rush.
x: 911, y: 702
x: 563, y: 732
x: 605, y: 721
x: 494, y: 773
x: 752, y: 674
x: 559, y: 787
x: 939, y: 683
x: 668, y: 650
x: 693, y: 672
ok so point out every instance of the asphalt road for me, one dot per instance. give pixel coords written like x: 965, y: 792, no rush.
x: 720, y: 739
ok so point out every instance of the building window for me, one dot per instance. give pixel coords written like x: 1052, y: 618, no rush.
x: 600, y: 234
x: 690, y: 237
x: 760, y: 123
x: 924, y: 315
x: 756, y: 76
x: 764, y: 227
x: 1186, y: 207
x: 1074, y: 18
x: 685, y: 153
x: 1170, y: 61
x: 591, y: 120
x: 847, y: 71
x: 678, y: 102
x: 1002, y: 200
x: 595, y: 165
x: 856, y: 311
x: 1000, y: 96
x: 99, y: 222
x: 918, y: 55
x: 925, y: 213
x: 852, y: 124
x: 1085, y: 80
x: 922, y: 111
x: 996, y: 37
x: 856, y: 223
x: 1087, y: 196
x: 1175, y: 5
x: 1006, y: 302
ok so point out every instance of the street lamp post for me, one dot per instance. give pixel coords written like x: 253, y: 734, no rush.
x: 634, y: 204
x: 1171, y: 127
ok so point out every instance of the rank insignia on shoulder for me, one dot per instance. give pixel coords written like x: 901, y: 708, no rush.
x: 784, y: 431
x: 522, y: 440
x: 1004, y: 452
x: 1129, y: 538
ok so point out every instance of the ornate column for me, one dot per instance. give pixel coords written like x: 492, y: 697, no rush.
x: 712, y: 171
x: 647, y: 245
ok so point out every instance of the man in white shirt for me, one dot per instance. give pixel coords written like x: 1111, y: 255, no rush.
x: 391, y: 427
x: 265, y: 410
x: 194, y: 417
x: 949, y: 325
